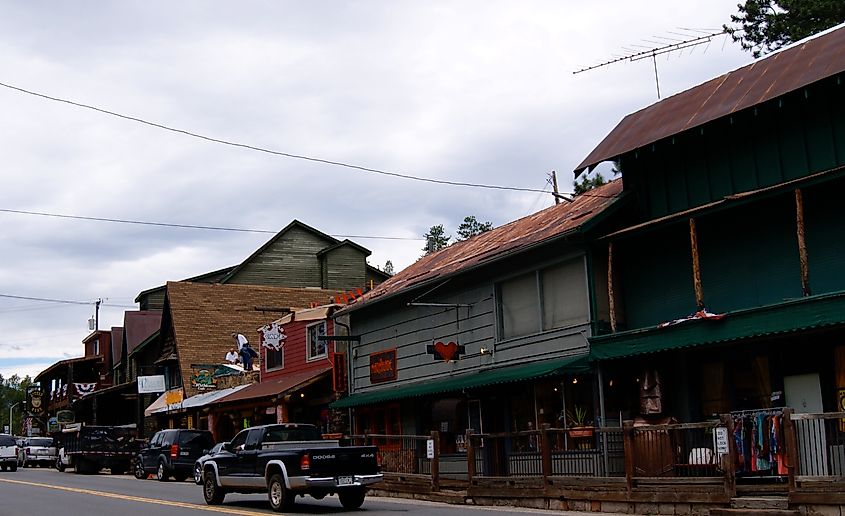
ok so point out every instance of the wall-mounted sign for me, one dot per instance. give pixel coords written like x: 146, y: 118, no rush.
x: 65, y: 417
x: 174, y: 396
x: 383, y: 366
x: 721, y: 438
x: 203, y: 377
x: 34, y: 402
x: 151, y: 384
x: 445, y: 352
x: 272, y: 336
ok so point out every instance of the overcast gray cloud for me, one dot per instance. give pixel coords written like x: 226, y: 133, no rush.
x: 472, y: 91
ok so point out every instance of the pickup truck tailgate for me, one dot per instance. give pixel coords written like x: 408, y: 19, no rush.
x: 343, y: 460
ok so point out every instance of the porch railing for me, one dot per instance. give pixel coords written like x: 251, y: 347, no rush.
x: 819, y: 445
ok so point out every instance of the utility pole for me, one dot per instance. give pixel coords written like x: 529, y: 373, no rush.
x: 11, y: 431
x: 555, y: 193
x: 97, y: 313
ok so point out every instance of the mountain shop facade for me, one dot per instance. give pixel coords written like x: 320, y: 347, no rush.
x: 488, y: 334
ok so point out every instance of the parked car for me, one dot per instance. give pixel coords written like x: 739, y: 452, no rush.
x: 39, y: 451
x: 289, y: 460
x: 8, y: 453
x: 201, y: 461
x: 172, y: 453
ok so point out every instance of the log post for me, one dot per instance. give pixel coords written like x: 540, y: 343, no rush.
x: 696, y: 265
x: 470, y: 456
x: 611, y: 295
x: 435, y: 462
x: 628, y: 448
x: 729, y: 460
x: 802, y: 243
x: 545, y: 453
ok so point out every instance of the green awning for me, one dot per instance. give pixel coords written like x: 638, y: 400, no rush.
x: 788, y: 317
x: 467, y: 380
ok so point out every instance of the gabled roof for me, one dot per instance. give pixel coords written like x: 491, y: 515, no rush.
x: 116, y: 344
x: 138, y: 325
x: 330, y: 241
x: 790, y: 69
x: 205, y: 315
x: 345, y: 242
x: 208, y: 277
x: 65, y: 363
x: 517, y: 236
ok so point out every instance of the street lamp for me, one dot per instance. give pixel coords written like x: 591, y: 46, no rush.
x: 10, y: 417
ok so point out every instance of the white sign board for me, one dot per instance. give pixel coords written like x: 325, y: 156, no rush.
x: 151, y: 384
x: 721, y: 440
x: 429, y: 449
x: 273, y: 336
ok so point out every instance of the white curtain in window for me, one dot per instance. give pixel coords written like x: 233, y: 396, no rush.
x: 520, y: 311
x: 564, y: 295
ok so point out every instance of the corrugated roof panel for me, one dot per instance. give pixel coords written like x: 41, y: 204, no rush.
x: 788, y: 70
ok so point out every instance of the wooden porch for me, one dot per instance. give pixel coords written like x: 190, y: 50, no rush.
x: 655, y: 469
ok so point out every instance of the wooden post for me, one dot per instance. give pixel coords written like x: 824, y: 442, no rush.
x: 791, y: 442
x: 545, y: 453
x: 611, y: 295
x: 696, y: 265
x: 802, y: 243
x: 470, y: 456
x: 628, y: 448
x: 435, y: 462
x: 729, y: 460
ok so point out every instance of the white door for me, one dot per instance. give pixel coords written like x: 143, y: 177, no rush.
x: 804, y: 395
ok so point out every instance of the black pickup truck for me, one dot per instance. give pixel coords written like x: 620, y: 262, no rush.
x: 287, y: 460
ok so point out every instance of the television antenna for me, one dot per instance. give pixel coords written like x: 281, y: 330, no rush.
x: 680, y: 41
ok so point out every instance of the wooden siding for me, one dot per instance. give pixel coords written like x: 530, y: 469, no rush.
x: 345, y: 268
x: 152, y: 301
x: 791, y: 137
x: 825, y: 236
x: 410, y: 329
x: 290, y: 261
x: 295, y: 356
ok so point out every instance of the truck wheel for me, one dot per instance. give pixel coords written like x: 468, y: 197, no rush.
x: 280, y: 498
x: 138, y: 470
x: 210, y: 491
x: 13, y: 467
x: 161, y: 472
x: 351, y: 498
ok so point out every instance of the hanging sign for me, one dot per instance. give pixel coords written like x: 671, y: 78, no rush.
x: 446, y: 352
x: 151, y: 384
x: 272, y: 336
x: 34, y: 402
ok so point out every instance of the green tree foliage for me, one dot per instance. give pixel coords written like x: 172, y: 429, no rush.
x: 471, y: 227
x: 588, y: 183
x: 436, y: 239
x: 762, y: 26
x: 12, y: 390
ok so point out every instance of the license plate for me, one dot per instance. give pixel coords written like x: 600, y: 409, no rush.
x: 344, y: 481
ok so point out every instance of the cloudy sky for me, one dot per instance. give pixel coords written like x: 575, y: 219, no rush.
x: 466, y: 91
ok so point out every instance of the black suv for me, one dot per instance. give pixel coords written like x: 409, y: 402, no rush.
x: 172, y: 453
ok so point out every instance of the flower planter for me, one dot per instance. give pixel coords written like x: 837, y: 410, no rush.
x: 581, y: 432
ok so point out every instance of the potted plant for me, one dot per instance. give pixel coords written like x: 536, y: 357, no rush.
x: 578, y: 423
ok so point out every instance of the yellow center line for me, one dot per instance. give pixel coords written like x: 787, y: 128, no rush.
x: 184, y: 505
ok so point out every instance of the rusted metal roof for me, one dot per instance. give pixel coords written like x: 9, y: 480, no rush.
x: 519, y: 235
x: 799, y: 65
x: 277, y: 387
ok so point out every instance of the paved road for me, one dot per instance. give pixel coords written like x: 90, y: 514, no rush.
x: 39, y: 491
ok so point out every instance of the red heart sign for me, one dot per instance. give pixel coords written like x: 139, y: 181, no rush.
x: 446, y: 351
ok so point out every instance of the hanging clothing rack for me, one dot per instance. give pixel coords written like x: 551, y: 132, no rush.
x: 778, y: 410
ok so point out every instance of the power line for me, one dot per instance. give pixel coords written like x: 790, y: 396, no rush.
x: 47, y: 300
x: 173, y: 225
x: 266, y: 150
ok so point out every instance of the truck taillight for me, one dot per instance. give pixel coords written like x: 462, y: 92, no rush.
x: 174, y: 451
x: 305, y: 463
x: 378, y: 459
x: 27, y: 450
